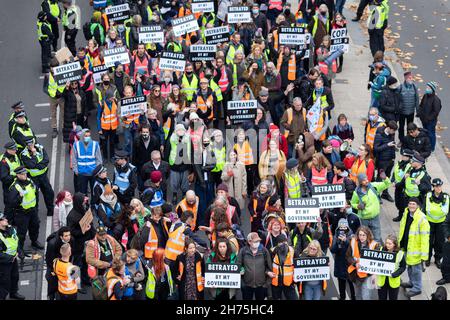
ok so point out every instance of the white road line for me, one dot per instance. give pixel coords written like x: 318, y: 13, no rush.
x: 25, y: 282
x: 41, y: 77
x: 41, y: 135
x: 45, y: 119
x: 62, y: 166
x: 38, y: 105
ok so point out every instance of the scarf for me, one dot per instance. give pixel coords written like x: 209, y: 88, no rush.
x: 63, y: 211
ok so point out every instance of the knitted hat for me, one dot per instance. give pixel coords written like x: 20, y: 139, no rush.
x: 180, y: 126
x: 291, y: 163
x: 343, y: 223
x: 156, y: 176
x: 362, y: 177
x: 193, y: 116
x: 222, y: 187
x: 391, y: 80
x: 433, y: 85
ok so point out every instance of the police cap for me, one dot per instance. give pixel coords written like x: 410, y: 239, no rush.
x: 20, y: 170
x: 437, y: 182
x: 18, y: 104
x: 11, y: 145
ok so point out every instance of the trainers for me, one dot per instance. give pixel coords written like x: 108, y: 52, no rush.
x: 397, y: 219
x: 411, y: 293
x: 55, y: 133
x: 387, y: 196
x: 406, y: 285
x: 442, y: 282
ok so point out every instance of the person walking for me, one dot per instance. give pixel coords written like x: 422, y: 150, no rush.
x: 71, y: 24
x: 377, y: 23
x: 45, y: 37
x: 409, y: 103
x: 53, y: 12
x: 429, y: 108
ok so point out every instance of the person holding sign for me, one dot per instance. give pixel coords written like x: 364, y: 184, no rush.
x: 339, y: 22
x: 362, y: 239
x: 283, y: 270
x: 323, y: 52
x: 312, y: 290
x: 390, y: 286
x: 107, y: 123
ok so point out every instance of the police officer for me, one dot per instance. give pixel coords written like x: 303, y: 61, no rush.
x: 376, y: 24
x: 436, y: 210
x: 100, y: 181
x: 17, y: 107
x: 9, y: 268
x: 53, y: 13
x: 21, y: 131
x: 125, y: 179
x: 21, y: 199
x: 45, y: 37
x: 35, y: 159
x: 398, y: 173
x: 71, y: 24
x: 9, y: 161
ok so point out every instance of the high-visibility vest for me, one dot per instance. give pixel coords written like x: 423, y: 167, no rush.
x: 294, y: 242
x: 371, y: 132
x: 412, y: 189
x: 244, y: 153
x: 286, y: 269
x: 102, y: 32
x: 292, y: 66
x: 276, y: 4
x: 217, y: 90
x: 358, y: 168
x: 28, y: 194
x: 323, y: 66
x: 275, y: 39
x: 26, y: 133
x: 201, y: 104
x: 53, y: 87
x: 418, y: 237
x: 323, y: 100
x: 229, y: 213
x: 235, y: 77
x: 140, y: 65
x: 152, y: 242
x: 66, y: 284
x: 111, y: 281
x: 174, y: 152
x: 220, y: 159
x: 436, y: 212
x: 316, y: 23
x: 175, y: 242
x: 13, y: 165
x: 379, y: 11
x: 131, y: 118
x: 11, y: 243
x: 85, y: 157
x: 176, y: 47
x: 40, y: 34
x: 393, y: 282
x: 109, y: 119
x: 198, y: 274
x: 39, y: 157
x: 400, y: 173
x: 232, y: 52
x: 290, y: 117
x: 65, y: 17
x: 166, y: 90
x: 149, y: 13
x: 255, y: 205
x: 189, y: 88
x: 320, y: 124
x: 223, y: 81
x: 318, y: 177
x: 184, y: 206
x: 54, y: 9
x: 122, y: 179
x: 293, y: 185
x: 356, y: 256
x: 151, y: 282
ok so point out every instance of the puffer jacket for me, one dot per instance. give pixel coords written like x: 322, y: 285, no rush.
x: 409, y: 99
x: 390, y: 104
x: 429, y: 108
x: 381, y: 150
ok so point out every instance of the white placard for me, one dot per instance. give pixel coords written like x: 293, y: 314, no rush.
x: 133, y: 105
x: 120, y: 12
x: 217, y: 35
x: 339, y: 40
x: 302, y: 210
x: 151, y: 34
x: 172, y: 61
x: 311, y: 269
x: 202, y: 52
x: 184, y: 25
x: 202, y: 6
x: 293, y: 36
x: 67, y: 72
x: 219, y: 275
x: 377, y: 262
x: 98, y: 71
x: 330, y: 195
x: 116, y: 55
x: 239, y: 15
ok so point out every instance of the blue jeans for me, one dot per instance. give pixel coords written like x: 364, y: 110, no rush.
x: 374, y: 225
x: 312, y: 291
x: 340, y: 5
x: 415, y: 277
x: 128, y: 135
x: 431, y: 128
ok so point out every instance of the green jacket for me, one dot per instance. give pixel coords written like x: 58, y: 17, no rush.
x: 418, y: 237
x: 370, y: 199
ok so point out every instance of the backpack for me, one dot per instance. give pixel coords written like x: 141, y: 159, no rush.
x: 100, y: 288
x: 87, y: 31
x: 239, y: 235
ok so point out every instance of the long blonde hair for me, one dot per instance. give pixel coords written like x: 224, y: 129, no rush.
x: 316, y: 245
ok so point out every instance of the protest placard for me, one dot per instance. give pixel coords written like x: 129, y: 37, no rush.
x: 67, y: 72
x: 203, y: 52
x: 241, y: 111
x: 302, y: 210
x: 377, y: 262
x: 239, y: 14
x: 118, y: 13
x: 217, y: 35
x: 172, y: 61
x: 219, y: 275
x: 330, y: 195
x: 311, y: 268
x: 151, y: 34
x: 114, y: 55
x: 183, y: 25
x: 133, y: 105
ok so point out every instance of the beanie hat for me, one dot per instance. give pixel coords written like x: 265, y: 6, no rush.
x: 180, y: 126
x: 343, y: 223
x: 155, y: 176
x: 362, y: 177
x: 222, y: 187
x: 273, y: 127
x: 97, y: 15
x: 414, y: 199
x: 433, y: 85
x: 391, y: 80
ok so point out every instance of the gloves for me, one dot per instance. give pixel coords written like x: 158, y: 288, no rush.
x: 361, y: 206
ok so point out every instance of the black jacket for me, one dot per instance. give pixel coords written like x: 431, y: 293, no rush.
x: 141, y: 154
x: 148, y: 168
x: 73, y: 222
x: 54, y: 243
x: 70, y: 111
x: 181, y: 260
x: 5, y: 175
x: 421, y: 143
x: 6, y: 259
x: 429, y: 108
x: 390, y: 104
x: 381, y: 150
x: 32, y: 162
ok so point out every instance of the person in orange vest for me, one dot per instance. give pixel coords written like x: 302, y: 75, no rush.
x: 190, y: 202
x: 312, y: 290
x: 107, y: 123
x: 283, y: 269
x: 362, y: 240
x: 116, y: 281
x: 374, y: 122
x: 320, y: 171
x: 66, y: 273
x: 206, y: 99
x: 293, y: 122
x: 361, y: 163
x: 185, y: 270
x: 287, y: 65
x: 245, y: 155
x: 140, y: 61
x: 258, y: 203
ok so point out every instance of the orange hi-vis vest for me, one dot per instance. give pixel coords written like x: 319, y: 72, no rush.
x: 223, y: 81
x: 276, y: 4
x: 371, y: 132
x: 275, y: 39
x: 292, y: 66
x: 198, y: 274
x: 105, y: 23
x: 356, y: 256
x: 66, y: 285
x: 140, y: 65
x: 286, y: 269
x: 152, y: 243
x: 255, y: 205
x: 131, y: 118
x: 230, y: 212
x: 184, y: 206
x: 109, y: 119
x: 357, y: 168
x: 111, y: 280
x: 319, y: 177
x: 244, y: 153
x: 290, y: 117
x: 201, y: 104
x: 175, y: 243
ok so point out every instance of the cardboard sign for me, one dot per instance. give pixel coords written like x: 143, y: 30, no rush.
x: 203, y: 52
x: 293, y: 36
x: 98, y: 71
x: 133, y: 105
x: 202, y: 6
x: 184, y: 25
x: 218, y: 275
x: 302, y: 210
x: 67, y: 72
x: 241, y: 111
x: 172, y: 61
x: 311, y: 269
x: 63, y: 55
x: 151, y: 34
x: 116, y: 55
x: 239, y: 15
x: 377, y: 262
x: 339, y: 40
x: 118, y: 13
x: 330, y: 195
x: 86, y: 221
x: 217, y: 35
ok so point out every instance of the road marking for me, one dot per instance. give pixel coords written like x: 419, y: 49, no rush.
x: 41, y: 135
x: 62, y: 165
x: 38, y: 105
x: 41, y: 77
x: 25, y: 282
x: 45, y: 119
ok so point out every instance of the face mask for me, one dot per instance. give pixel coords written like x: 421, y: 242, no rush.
x: 205, y: 144
x: 372, y: 118
x: 87, y: 139
x: 255, y: 11
x: 428, y: 91
x: 287, y: 11
x: 166, y: 80
x: 319, y: 91
x: 106, y: 83
x: 133, y: 217
x: 68, y: 203
x: 255, y: 245
x: 145, y: 136
x: 189, y: 72
x: 323, y: 13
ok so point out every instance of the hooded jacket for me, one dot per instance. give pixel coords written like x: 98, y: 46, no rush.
x: 429, y: 108
x: 73, y: 222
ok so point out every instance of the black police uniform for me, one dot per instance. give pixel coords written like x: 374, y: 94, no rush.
x: 9, y: 268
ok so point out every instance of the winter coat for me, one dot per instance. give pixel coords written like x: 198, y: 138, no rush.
x: 429, y: 108
x: 305, y: 154
x: 381, y: 150
x: 389, y: 104
x: 237, y: 184
x: 339, y: 249
x: 255, y: 266
x: 421, y: 143
x: 255, y: 81
x: 296, y: 127
x: 409, y: 99
x: 73, y: 222
x: 116, y: 249
x: 268, y: 168
x: 60, y: 213
x: 142, y: 154
x: 70, y: 112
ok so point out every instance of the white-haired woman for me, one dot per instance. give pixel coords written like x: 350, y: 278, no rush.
x: 141, y: 211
